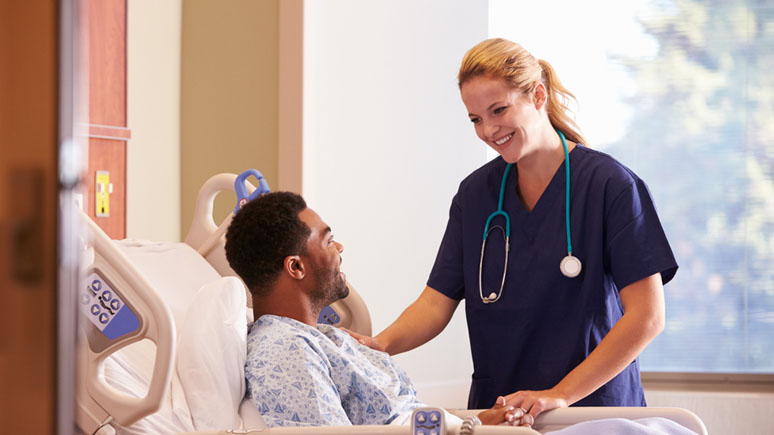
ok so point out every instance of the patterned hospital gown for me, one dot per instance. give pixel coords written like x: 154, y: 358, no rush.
x: 299, y: 375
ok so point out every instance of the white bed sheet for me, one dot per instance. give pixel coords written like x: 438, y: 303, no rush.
x: 622, y: 426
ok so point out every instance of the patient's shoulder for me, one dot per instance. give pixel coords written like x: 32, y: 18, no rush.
x: 274, y: 337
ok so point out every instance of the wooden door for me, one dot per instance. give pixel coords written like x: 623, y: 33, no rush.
x: 28, y: 214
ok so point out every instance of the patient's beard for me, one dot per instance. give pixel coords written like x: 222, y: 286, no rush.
x: 330, y: 287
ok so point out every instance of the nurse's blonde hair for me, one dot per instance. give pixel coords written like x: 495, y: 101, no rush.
x: 503, y: 59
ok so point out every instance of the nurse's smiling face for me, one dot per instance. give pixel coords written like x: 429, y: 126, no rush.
x: 507, y: 119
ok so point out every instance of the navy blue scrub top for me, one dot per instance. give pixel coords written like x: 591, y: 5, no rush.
x: 545, y: 324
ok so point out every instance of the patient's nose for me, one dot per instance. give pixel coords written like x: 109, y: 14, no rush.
x: 339, y: 246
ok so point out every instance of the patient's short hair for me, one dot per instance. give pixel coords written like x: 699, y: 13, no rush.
x: 262, y: 233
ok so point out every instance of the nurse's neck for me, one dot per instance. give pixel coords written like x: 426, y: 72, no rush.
x: 537, y: 168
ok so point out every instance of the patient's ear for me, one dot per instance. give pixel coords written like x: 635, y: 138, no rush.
x: 295, y: 267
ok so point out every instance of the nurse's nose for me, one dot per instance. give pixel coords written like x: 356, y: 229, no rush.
x: 490, y: 129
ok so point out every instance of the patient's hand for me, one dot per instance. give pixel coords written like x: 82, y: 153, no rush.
x: 533, y: 403
x: 502, y: 413
x: 365, y: 340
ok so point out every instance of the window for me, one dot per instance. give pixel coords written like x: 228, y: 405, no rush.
x: 681, y: 92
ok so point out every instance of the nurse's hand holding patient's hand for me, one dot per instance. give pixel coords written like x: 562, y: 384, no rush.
x: 502, y: 413
x: 365, y: 340
x: 536, y: 402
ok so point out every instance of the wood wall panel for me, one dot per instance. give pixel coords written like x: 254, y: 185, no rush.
x: 107, y: 62
x: 108, y: 132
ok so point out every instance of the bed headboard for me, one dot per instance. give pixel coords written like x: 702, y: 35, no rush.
x: 209, y: 239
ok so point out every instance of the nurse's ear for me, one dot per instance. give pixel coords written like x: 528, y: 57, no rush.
x: 294, y: 267
x: 539, y: 96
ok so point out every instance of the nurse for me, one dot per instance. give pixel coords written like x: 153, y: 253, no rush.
x: 542, y: 335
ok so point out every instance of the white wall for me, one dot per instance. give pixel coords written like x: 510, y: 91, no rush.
x: 386, y: 142
x: 153, y: 116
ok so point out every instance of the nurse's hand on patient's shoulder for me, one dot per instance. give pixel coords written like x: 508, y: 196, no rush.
x: 501, y: 413
x: 365, y: 340
x: 533, y: 403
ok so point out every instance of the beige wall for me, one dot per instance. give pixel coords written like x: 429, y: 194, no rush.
x: 229, y: 95
x: 153, y: 115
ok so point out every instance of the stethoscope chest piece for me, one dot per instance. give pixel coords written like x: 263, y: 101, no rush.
x: 570, y: 266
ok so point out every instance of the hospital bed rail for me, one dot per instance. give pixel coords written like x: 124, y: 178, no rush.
x: 114, y: 323
x: 548, y: 421
x: 366, y: 430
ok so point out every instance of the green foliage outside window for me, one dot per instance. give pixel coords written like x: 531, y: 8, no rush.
x: 702, y: 137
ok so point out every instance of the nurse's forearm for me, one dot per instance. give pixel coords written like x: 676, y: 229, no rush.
x: 642, y: 321
x: 419, y: 323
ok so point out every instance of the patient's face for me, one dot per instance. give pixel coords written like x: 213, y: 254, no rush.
x: 324, y: 259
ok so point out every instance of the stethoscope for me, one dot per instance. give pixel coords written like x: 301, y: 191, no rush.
x: 570, y: 266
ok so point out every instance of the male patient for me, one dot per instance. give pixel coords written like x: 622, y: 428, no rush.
x: 300, y: 372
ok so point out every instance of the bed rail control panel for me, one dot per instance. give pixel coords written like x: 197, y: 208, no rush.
x: 107, y: 311
x: 329, y: 316
x: 428, y: 421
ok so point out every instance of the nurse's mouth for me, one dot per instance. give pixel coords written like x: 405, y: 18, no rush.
x: 502, y: 141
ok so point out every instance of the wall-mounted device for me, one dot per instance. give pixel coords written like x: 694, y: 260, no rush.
x: 102, y: 190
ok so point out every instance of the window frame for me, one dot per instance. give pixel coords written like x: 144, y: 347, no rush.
x: 708, y: 381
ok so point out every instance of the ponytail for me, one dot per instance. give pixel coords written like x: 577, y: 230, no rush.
x: 558, y: 100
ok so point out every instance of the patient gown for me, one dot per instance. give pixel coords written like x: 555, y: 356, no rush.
x: 299, y: 375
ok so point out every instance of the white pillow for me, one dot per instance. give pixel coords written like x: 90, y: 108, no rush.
x: 211, y: 354
x: 175, y: 270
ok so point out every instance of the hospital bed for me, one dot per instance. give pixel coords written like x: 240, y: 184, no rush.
x: 162, y: 340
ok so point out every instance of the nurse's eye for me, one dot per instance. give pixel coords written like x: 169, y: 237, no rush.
x: 475, y: 120
x: 500, y: 110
